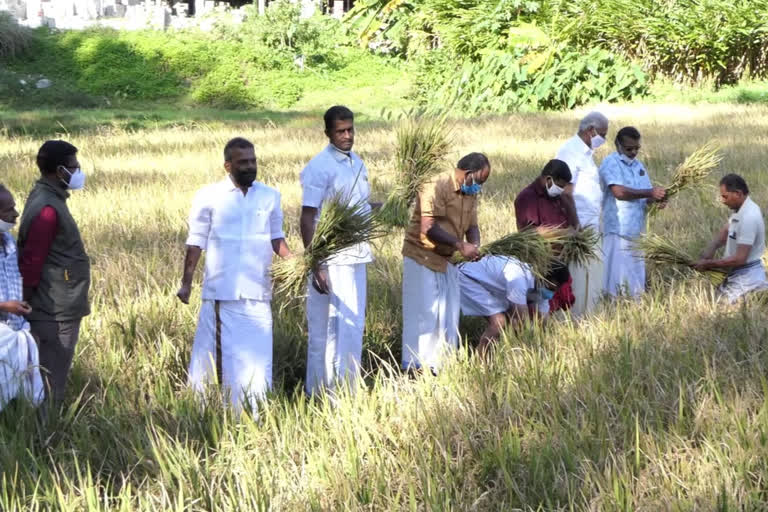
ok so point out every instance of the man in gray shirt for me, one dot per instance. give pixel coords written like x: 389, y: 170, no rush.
x: 744, y: 240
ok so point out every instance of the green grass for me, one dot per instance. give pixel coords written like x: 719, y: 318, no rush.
x: 656, y: 405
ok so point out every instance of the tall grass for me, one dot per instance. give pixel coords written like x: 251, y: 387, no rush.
x: 652, y: 405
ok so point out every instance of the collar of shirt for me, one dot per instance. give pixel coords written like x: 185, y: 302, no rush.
x: 62, y: 193
x: 743, y: 206
x: 579, y: 142
x: 341, y: 156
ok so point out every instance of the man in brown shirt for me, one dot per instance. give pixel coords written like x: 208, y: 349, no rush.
x: 444, y: 221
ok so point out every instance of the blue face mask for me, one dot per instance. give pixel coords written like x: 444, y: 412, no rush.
x: 546, y: 293
x: 471, y: 190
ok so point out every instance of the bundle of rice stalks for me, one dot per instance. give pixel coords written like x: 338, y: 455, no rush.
x: 341, y: 225
x: 664, y: 252
x: 532, y: 246
x: 693, y: 171
x: 422, y: 143
x: 579, y: 246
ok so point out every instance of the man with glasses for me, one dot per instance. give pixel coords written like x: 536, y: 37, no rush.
x: 628, y: 192
x: 444, y: 221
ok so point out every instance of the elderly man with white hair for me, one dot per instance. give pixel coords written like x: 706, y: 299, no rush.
x: 583, y: 199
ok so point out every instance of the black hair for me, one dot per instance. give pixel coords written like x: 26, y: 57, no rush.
x: 558, y: 170
x: 237, y: 142
x: 734, y: 183
x: 473, y: 162
x: 558, y: 274
x: 337, y: 113
x: 52, y: 154
x: 628, y: 131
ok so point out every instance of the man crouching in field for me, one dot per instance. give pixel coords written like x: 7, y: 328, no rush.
x: 744, y: 240
x: 444, y: 216
x: 19, y: 362
x: 239, y: 223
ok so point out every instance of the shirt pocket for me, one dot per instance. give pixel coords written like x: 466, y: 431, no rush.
x: 258, y: 221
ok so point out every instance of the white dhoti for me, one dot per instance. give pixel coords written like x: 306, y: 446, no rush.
x: 431, y: 305
x: 336, y: 321
x: 587, y: 285
x: 749, y: 278
x: 234, y: 341
x: 19, y: 367
x: 624, y: 267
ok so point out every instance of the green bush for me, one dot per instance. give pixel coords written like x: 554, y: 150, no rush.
x: 686, y: 40
x: 14, y: 39
x: 502, y: 81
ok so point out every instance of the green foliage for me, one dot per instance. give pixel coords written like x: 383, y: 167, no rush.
x: 687, y: 40
x: 14, y: 39
x: 501, y: 81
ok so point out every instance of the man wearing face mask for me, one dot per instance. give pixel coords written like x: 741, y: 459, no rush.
x: 54, y: 265
x: 628, y: 192
x: 19, y: 371
x: 540, y: 204
x: 744, y: 239
x: 444, y: 221
x: 583, y: 200
x: 239, y: 223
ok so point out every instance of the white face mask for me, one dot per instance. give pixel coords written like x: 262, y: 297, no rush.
x: 5, y: 226
x: 76, y: 179
x: 597, y: 141
x: 553, y: 190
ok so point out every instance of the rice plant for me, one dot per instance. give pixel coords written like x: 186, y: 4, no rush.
x: 692, y: 172
x: 341, y: 225
x: 663, y: 252
x: 422, y: 143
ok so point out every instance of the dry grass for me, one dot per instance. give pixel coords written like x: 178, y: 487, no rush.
x: 650, y: 405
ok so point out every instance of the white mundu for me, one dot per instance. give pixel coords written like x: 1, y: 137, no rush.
x: 335, y: 320
x: 234, y: 332
x: 431, y: 327
x: 588, y: 196
x: 745, y: 227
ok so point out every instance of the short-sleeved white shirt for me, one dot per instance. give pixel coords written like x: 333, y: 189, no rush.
x: 333, y: 172
x: 746, y: 227
x: 587, y: 192
x: 236, y: 231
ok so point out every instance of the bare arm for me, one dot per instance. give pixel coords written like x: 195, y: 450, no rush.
x: 737, y: 260
x: 473, y: 235
x: 190, y: 264
x: 569, y: 205
x: 320, y: 280
x: 434, y: 232
x: 280, y: 247
x: 623, y: 193
x: 716, y: 243
x: 307, y: 224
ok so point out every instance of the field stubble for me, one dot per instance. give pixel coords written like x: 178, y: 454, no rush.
x: 652, y: 406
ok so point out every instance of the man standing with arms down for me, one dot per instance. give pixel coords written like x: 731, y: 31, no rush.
x: 583, y: 200
x: 54, y: 266
x: 239, y: 223
x: 444, y: 221
x: 337, y: 293
x: 744, y: 241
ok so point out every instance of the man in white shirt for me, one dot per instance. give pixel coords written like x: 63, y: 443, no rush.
x: 744, y: 241
x: 502, y: 290
x: 239, y: 223
x: 583, y: 200
x: 337, y: 290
